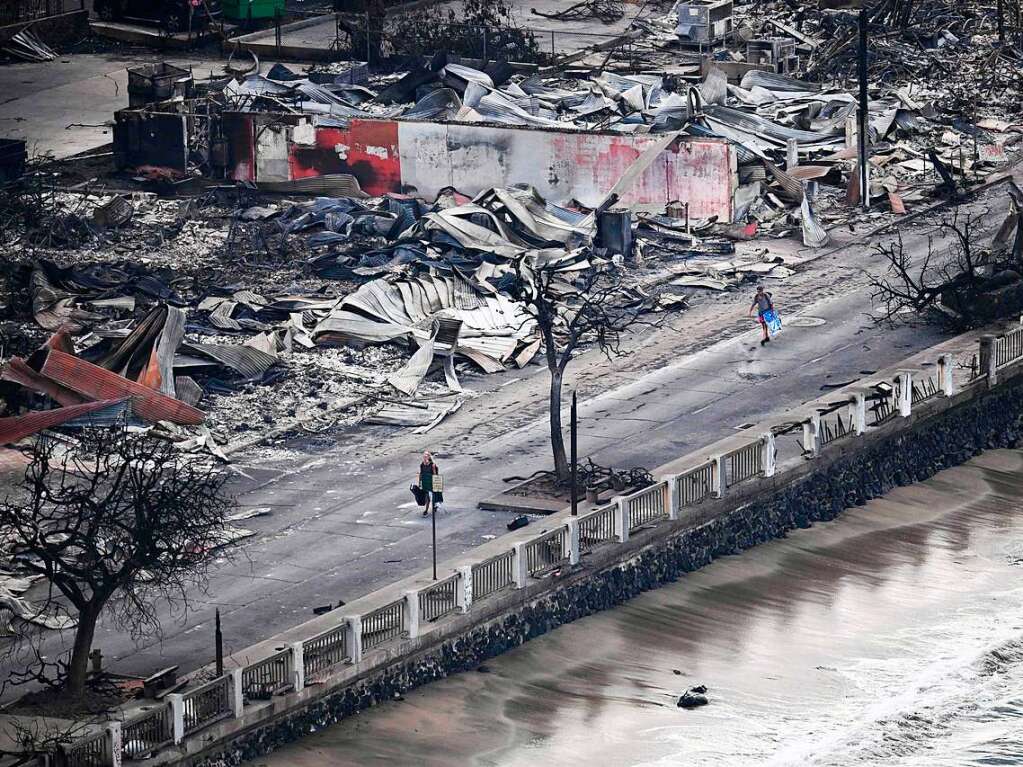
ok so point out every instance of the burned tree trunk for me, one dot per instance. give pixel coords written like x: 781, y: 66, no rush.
x: 78, y: 665
x: 589, y: 310
x: 561, y: 467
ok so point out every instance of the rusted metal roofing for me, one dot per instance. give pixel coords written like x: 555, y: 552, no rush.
x: 18, y: 371
x: 18, y: 427
x: 93, y: 381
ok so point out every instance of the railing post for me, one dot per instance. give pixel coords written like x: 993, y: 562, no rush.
x: 621, y: 515
x: 463, y: 594
x: 905, y: 380
x: 412, y: 613
x: 355, y: 638
x: 115, y: 743
x: 237, y: 693
x: 988, y: 359
x: 719, y: 476
x: 769, y: 450
x: 177, y: 704
x: 945, y: 365
x: 297, y: 666
x: 858, y: 411
x: 674, y: 502
x: 573, y: 541
x: 519, y: 571
x: 811, y: 435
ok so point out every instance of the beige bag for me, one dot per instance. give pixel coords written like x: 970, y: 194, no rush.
x: 438, y: 483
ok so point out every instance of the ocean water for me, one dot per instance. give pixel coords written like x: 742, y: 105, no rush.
x: 891, y: 636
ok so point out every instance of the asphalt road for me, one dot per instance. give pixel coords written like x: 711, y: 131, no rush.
x: 341, y: 518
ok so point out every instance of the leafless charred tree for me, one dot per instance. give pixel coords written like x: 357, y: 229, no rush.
x: 950, y: 282
x: 117, y: 525
x: 485, y: 29
x: 593, y: 308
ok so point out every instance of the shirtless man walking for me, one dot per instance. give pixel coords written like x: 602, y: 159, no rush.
x: 763, y: 304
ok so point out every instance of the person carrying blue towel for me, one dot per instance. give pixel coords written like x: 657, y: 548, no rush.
x: 765, y: 307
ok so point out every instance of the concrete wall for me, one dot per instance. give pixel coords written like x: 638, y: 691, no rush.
x: 957, y: 429
x: 424, y: 157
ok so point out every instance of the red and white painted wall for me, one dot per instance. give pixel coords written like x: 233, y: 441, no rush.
x: 424, y: 157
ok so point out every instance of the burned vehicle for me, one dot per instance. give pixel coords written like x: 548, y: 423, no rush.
x: 172, y: 16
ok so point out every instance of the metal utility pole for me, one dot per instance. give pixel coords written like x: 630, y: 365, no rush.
x: 864, y: 170
x: 219, y: 640
x: 575, y: 460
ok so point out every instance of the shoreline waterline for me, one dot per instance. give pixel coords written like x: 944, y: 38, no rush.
x: 892, y: 635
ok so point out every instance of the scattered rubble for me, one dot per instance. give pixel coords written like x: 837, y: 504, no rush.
x: 176, y: 293
x: 359, y: 300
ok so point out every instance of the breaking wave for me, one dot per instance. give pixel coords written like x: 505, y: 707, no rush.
x: 954, y: 712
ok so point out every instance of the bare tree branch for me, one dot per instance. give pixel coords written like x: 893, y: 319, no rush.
x: 573, y: 309
x: 118, y: 526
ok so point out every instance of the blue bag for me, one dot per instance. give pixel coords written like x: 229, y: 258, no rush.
x: 773, y: 322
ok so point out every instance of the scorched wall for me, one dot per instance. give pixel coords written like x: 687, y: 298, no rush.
x: 424, y: 157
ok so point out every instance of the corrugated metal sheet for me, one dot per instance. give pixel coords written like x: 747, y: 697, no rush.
x: 18, y: 427
x: 751, y: 125
x: 97, y: 383
x: 333, y: 184
x: 17, y: 371
x: 118, y: 412
x: 248, y: 362
x: 777, y: 83
x: 408, y: 378
x: 814, y: 235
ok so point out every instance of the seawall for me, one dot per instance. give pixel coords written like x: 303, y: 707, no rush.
x: 942, y: 440
x: 900, y: 426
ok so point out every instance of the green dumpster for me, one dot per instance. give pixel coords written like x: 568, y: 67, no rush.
x: 241, y: 10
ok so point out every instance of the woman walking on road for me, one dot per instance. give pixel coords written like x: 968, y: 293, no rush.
x: 762, y: 303
x: 427, y: 472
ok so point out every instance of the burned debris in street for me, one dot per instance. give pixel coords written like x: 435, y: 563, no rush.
x: 347, y: 235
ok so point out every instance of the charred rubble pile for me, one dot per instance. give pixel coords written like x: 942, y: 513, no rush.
x: 179, y: 317
x: 778, y: 86
x: 179, y: 313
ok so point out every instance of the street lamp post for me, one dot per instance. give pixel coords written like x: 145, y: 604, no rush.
x: 575, y: 461
x: 218, y: 638
x: 433, y: 532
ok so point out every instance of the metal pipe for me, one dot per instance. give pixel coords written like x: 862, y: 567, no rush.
x: 433, y: 531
